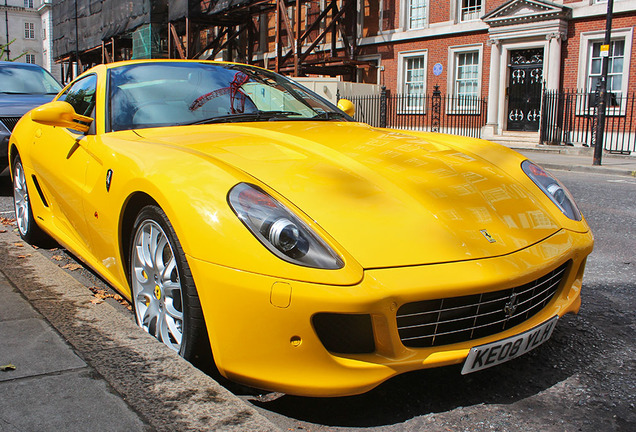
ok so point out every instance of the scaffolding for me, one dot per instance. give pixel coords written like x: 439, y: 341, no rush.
x: 90, y: 32
x: 294, y: 37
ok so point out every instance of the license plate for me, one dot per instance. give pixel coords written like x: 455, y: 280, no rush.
x: 494, y: 353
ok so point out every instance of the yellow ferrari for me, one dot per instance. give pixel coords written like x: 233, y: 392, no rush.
x: 246, y: 217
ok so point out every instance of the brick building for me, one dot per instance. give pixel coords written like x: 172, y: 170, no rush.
x: 498, y: 49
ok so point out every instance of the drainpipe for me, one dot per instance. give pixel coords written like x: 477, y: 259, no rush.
x: 6, y: 22
x: 77, y: 60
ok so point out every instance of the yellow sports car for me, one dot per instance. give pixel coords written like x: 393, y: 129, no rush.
x: 245, y: 216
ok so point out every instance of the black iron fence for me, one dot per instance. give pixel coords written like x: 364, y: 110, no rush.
x: 458, y: 115
x: 569, y: 118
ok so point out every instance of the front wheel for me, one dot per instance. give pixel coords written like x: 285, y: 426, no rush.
x: 27, y: 227
x: 164, y: 296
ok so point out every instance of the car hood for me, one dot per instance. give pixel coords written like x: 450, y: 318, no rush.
x: 16, y: 105
x: 389, y: 198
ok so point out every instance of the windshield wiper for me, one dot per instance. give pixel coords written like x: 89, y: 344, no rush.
x: 253, y: 116
x: 329, y: 115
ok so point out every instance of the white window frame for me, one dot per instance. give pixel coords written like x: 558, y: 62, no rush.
x: 585, y: 52
x: 407, y: 7
x: 475, y: 16
x: 29, y: 30
x: 28, y: 4
x: 453, y: 53
x: 30, y: 58
x: 403, y: 57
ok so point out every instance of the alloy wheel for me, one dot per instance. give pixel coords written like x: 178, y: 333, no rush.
x: 21, y: 199
x: 156, y: 285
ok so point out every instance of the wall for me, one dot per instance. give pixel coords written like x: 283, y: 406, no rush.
x: 18, y: 15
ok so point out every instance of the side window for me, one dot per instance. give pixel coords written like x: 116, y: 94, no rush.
x: 81, y: 95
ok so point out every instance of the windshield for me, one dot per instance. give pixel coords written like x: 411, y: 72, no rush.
x: 169, y: 94
x: 19, y: 79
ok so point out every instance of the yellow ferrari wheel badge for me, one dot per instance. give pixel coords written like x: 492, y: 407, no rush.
x: 157, y: 292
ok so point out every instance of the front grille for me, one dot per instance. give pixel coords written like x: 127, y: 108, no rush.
x: 10, y: 122
x: 445, y: 321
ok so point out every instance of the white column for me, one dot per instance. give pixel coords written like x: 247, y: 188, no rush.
x: 554, y: 61
x: 491, y: 127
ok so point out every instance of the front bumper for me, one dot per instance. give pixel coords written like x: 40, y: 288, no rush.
x: 4, y: 150
x: 262, y: 335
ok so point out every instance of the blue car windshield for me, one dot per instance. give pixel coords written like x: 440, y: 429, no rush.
x: 162, y: 94
x: 19, y: 78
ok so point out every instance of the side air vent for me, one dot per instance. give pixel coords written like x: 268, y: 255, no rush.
x: 39, y: 189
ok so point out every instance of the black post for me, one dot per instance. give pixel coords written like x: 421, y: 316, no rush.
x: 602, y: 103
x: 383, y: 107
x: 77, y: 68
x: 6, y: 22
x: 436, y: 105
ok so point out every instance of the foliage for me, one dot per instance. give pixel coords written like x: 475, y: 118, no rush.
x: 4, y: 48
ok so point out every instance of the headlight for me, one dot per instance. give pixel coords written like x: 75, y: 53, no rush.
x: 280, y: 230
x: 553, y: 189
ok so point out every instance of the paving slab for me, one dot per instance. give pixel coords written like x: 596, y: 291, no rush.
x: 70, y: 401
x: 34, y: 348
x: 12, y: 304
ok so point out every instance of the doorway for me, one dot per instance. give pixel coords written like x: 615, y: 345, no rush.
x: 524, y: 90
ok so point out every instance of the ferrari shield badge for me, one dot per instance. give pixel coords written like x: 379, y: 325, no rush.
x: 488, y: 236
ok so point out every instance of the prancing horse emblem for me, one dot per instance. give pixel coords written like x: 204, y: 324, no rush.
x: 488, y: 236
x: 511, y: 306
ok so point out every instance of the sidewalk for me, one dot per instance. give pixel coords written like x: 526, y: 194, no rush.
x: 81, y: 366
x: 51, y: 388
x: 580, y: 160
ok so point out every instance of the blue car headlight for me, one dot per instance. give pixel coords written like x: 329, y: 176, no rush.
x: 280, y: 230
x: 553, y: 189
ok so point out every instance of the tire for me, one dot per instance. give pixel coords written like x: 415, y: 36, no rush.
x: 164, y: 297
x: 27, y: 227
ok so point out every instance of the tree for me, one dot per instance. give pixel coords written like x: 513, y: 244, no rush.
x: 4, y: 48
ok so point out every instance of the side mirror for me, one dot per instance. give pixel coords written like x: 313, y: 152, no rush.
x: 347, y: 106
x: 61, y: 114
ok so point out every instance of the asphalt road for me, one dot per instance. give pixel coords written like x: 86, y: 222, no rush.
x: 583, y: 379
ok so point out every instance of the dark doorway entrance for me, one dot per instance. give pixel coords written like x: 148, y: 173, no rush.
x: 524, y: 90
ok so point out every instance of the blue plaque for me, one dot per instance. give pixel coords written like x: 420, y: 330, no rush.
x: 438, y: 69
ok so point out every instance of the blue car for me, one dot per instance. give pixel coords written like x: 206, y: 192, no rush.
x: 23, y: 86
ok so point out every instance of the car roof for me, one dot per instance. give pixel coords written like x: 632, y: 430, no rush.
x: 10, y: 63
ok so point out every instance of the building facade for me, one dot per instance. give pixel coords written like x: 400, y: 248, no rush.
x: 506, y: 51
x: 25, y: 33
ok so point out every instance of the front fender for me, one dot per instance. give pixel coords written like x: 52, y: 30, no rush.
x: 194, y: 198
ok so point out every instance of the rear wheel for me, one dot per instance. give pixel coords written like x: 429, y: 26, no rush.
x: 27, y: 227
x: 164, y: 296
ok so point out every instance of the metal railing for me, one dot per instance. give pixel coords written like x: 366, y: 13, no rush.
x: 569, y: 118
x: 457, y: 115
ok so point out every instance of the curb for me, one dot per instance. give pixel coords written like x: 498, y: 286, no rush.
x: 571, y: 151
x: 624, y: 166
x: 589, y: 169
x: 166, y: 391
